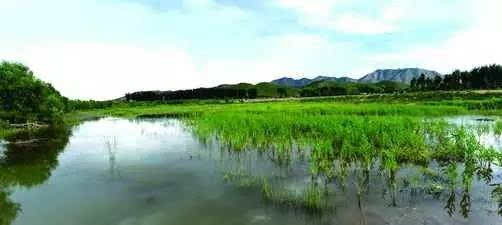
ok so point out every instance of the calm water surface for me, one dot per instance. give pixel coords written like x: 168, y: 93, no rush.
x: 154, y: 171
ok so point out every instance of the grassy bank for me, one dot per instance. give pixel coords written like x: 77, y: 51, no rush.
x: 6, y: 130
x: 323, y: 108
x: 435, y: 103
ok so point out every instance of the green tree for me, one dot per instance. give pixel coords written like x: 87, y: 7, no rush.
x: 421, y: 83
x: 413, y: 83
x: 282, y: 91
x: 24, y: 97
x: 436, y: 83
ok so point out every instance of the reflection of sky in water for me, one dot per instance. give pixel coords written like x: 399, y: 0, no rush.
x: 111, y: 168
x: 483, y: 128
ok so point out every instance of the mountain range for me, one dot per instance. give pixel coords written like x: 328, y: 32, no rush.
x: 398, y: 75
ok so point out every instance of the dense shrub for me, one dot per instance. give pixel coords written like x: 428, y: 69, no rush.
x: 25, y: 98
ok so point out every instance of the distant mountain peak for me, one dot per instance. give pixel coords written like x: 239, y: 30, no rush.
x: 404, y: 75
x: 290, y: 82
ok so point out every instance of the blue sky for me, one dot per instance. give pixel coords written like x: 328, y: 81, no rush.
x: 102, y: 49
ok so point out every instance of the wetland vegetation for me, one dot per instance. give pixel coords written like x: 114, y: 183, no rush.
x: 351, y: 140
x: 406, y: 148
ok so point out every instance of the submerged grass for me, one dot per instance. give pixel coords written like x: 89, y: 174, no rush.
x: 338, y: 137
x: 391, y: 139
x: 311, y: 199
x: 498, y: 127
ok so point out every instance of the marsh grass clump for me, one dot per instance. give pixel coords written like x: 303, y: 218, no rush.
x: 342, y: 142
x: 328, y: 135
x: 243, y: 179
x: 312, y: 199
x: 432, y: 181
x: 4, y: 132
x: 393, y: 139
x: 497, y: 129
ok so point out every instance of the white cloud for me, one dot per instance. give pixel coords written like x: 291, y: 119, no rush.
x: 311, y: 8
x: 351, y: 23
x: 105, y: 55
x: 324, y: 14
x: 105, y: 71
x: 474, y: 46
x: 396, y: 10
x: 288, y: 55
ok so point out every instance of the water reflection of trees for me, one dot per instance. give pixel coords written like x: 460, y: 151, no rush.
x: 8, y: 209
x: 28, y: 161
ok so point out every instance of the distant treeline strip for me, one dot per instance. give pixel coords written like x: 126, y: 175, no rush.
x: 480, y: 78
x: 199, y: 93
x: 333, y: 88
x: 269, y: 90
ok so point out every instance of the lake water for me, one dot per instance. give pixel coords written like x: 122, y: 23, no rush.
x: 155, y: 171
